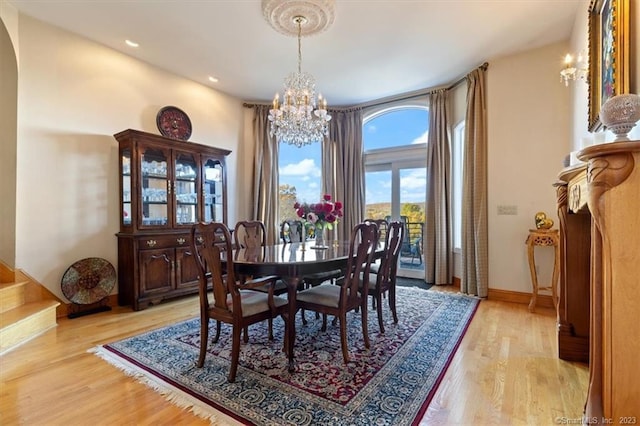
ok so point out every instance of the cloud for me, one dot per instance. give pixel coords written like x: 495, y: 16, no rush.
x: 371, y: 128
x: 422, y: 138
x: 306, y: 167
x: 415, y: 179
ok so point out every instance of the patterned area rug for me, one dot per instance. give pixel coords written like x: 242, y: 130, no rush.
x: 391, y: 383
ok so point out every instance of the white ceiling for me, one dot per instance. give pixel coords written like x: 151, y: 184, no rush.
x: 373, y: 50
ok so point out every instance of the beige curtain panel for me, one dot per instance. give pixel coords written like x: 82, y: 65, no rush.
x: 437, y: 236
x: 475, y: 263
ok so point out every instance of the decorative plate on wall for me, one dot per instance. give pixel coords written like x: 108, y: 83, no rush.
x: 173, y: 123
x: 88, y: 281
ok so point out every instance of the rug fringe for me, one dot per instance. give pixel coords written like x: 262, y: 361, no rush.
x: 171, y: 394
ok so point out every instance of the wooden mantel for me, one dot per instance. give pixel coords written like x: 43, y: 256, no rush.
x: 613, y: 198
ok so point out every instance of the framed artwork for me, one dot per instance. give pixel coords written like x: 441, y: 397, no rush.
x: 608, y: 54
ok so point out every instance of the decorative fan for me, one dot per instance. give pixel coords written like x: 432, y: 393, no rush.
x: 88, y: 282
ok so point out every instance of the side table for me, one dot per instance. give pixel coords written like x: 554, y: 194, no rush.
x: 543, y: 237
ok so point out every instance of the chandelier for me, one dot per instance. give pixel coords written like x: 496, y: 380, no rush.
x: 573, y: 70
x: 300, y: 119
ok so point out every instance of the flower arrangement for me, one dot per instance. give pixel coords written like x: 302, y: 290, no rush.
x: 323, y: 214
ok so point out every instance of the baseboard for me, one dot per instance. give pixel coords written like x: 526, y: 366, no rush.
x: 544, y: 301
x: 64, y: 310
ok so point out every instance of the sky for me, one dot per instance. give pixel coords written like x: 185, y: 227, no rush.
x: 300, y: 167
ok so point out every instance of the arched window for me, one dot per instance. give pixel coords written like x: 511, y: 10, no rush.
x: 395, y: 152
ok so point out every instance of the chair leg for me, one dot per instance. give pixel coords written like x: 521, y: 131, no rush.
x: 365, y: 328
x: 218, y: 329
x: 343, y: 338
x: 270, y: 328
x: 392, y: 303
x: 246, y: 334
x: 204, y: 340
x: 324, y: 323
x: 304, y: 319
x: 379, y: 309
x: 235, y: 354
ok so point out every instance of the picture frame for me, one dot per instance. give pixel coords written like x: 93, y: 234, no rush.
x: 608, y: 55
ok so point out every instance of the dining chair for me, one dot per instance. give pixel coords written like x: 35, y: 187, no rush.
x: 249, y: 233
x: 383, y: 226
x: 252, y: 235
x: 293, y: 231
x: 329, y: 299
x: 225, y: 299
x: 383, y: 280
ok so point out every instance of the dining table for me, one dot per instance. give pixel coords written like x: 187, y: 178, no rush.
x: 291, y: 262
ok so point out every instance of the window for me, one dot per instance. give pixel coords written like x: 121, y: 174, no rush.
x: 457, y: 164
x: 300, y: 177
x: 395, y: 152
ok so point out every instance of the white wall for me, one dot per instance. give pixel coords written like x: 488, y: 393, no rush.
x: 528, y: 137
x: 73, y: 96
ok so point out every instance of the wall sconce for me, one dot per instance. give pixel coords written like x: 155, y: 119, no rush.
x: 574, y: 69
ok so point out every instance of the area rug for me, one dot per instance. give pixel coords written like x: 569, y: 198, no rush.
x: 391, y: 383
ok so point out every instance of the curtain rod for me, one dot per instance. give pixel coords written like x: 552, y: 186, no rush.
x: 410, y: 95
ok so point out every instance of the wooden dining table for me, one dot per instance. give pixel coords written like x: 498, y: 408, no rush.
x: 292, y: 262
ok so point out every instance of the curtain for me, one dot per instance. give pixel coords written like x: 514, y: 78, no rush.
x: 265, y: 178
x: 343, y: 168
x: 437, y: 237
x: 475, y: 244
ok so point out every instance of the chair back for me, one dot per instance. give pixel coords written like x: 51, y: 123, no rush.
x: 383, y: 226
x: 362, y: 246
x: 389, y: 262
x: 249, y: 233
x: 208, y: 242
x: 291, y: 231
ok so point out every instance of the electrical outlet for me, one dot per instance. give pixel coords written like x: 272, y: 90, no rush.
x: 507, y: 210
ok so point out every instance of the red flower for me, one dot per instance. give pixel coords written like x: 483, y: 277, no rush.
x: 324, y: 213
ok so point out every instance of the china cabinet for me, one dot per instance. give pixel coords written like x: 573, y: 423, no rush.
x: 166, y: 185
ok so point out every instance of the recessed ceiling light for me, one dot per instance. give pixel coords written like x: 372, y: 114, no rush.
x: 131, y: 43
x: 213, y: 79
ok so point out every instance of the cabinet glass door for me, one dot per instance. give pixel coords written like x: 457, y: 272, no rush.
x: 213, y: 192
x: 155, y: 209
x: 185, y: 189
x: 125, y: 169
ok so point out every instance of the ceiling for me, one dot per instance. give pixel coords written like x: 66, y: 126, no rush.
x: 374, y: 49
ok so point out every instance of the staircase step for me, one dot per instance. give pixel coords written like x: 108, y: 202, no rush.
x: 12, y: 295
x: 25, y: 322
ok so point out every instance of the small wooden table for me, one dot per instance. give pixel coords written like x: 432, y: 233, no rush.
x: 543, y: 237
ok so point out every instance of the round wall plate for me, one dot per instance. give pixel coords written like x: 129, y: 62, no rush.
x: 88, y: 280
x: 173, y: 123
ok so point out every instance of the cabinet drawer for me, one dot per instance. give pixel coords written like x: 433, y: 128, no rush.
x: 578, y: 193
x: 164, y: 241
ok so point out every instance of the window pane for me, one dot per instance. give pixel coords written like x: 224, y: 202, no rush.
x: 397, y: 127
x: 300, y: 177
x: 378, y: 196
x: 457, y: 157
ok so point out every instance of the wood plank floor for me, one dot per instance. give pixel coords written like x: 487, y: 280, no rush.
x: 505, y: 372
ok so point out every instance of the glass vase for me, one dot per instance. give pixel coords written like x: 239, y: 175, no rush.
x: 320, y: 231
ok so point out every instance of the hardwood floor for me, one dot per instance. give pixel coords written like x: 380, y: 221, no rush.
x: 506, y: 372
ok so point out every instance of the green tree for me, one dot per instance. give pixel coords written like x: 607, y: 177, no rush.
x: 287, y: 196
x: 413, y: 211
